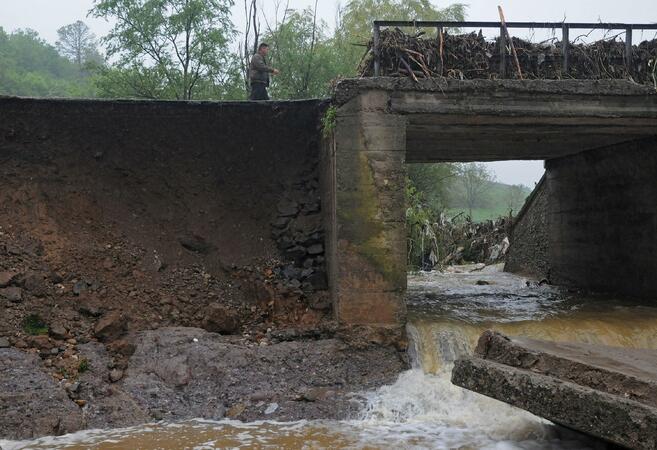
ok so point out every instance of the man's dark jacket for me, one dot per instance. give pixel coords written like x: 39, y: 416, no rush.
x: 259, y: 70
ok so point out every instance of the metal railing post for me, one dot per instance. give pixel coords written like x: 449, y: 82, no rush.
x: 377, y: 50
x: 565, y: 46
x: 628, y: 49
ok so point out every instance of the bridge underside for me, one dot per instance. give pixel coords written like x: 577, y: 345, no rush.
x: 383, y: 123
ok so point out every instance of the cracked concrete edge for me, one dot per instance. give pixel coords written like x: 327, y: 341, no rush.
x: 599, y: 414
x: 350, y: 88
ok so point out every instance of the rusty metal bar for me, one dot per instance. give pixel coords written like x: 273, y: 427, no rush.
x: 469, y: 24
x: 565, y: 46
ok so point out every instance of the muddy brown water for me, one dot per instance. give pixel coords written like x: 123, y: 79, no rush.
x: 422, y: 409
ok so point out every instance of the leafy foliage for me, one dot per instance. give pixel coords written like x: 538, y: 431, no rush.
x: 83, y: 366
x: 31, y: 67
x: 435, y: 181
x: 328, y: 121
x: 301, y: 49
x: 422, y: 243
x: 166, y: 48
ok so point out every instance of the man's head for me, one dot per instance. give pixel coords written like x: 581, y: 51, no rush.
x: 263, y: 49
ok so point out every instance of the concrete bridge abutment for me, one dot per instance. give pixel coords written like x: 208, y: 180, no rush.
x: 379, y: 124
x: 366, y: 216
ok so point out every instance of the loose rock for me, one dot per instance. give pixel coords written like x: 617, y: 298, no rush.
x: 195, y: 243
x: 57, y: 331
x: 6, y: 278
x: 110, y: 327
x: 13, y: 294
x: 316, y: 249
x: 288, y: 208
x: 115, y: 375
x: 79, y: 287
x: 220, y: 319
x: 35, y: 283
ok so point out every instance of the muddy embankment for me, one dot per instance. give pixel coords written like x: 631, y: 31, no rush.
x: 123, y: 222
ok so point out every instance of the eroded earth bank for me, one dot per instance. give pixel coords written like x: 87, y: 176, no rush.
x: 166, y: 261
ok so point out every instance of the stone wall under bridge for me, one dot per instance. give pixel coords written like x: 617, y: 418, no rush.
x: 382, y: 123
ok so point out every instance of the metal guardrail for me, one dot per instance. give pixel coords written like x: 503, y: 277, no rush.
x: 565, y: 34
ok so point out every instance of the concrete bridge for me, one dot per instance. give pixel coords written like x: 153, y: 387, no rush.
x: 599, y: 217
x: 592, y: 222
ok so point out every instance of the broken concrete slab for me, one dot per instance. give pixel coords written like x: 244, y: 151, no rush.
x: 607, y: 392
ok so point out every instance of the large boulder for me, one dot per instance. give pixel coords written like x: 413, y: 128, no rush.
x: 32, y: 404
x: 181, y: 373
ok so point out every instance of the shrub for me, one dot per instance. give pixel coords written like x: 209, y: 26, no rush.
x: 34, y: 325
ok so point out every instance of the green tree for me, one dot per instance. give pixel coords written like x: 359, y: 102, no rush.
x: 475, y: 178
x: 301, y: 49
x: 31, y: 67
x: 174, y: 49
x: 78, y: 44
x: 434, y: 181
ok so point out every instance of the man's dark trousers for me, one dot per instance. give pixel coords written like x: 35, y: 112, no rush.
x: 258, y: 92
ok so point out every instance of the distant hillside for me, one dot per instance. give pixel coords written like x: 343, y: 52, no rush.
x: 497, y: 199
x: 33, y: 68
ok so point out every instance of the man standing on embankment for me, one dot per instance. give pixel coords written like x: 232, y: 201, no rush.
x: 259, y: 74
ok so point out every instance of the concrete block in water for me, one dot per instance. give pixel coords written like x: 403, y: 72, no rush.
x: 607, y: 392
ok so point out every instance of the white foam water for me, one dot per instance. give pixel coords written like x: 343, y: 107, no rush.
x: 418, y: 411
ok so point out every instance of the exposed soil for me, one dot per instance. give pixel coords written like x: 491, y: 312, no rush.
x: 156, y: 224
x: 118, y: 218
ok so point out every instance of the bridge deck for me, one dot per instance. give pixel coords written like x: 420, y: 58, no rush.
x: 487, y: 120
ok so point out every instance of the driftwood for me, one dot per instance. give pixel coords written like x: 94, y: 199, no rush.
x: 471, y: 56
x: 508, y: 36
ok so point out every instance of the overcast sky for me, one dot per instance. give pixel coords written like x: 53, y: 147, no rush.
x: 46, y: 16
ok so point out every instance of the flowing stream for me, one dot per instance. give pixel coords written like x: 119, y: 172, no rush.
x: 422, y: 409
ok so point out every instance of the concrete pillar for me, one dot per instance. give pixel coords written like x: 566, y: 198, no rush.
x: 367, y: 227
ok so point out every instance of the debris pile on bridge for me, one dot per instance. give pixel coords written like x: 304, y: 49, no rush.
x: 472, y: 56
